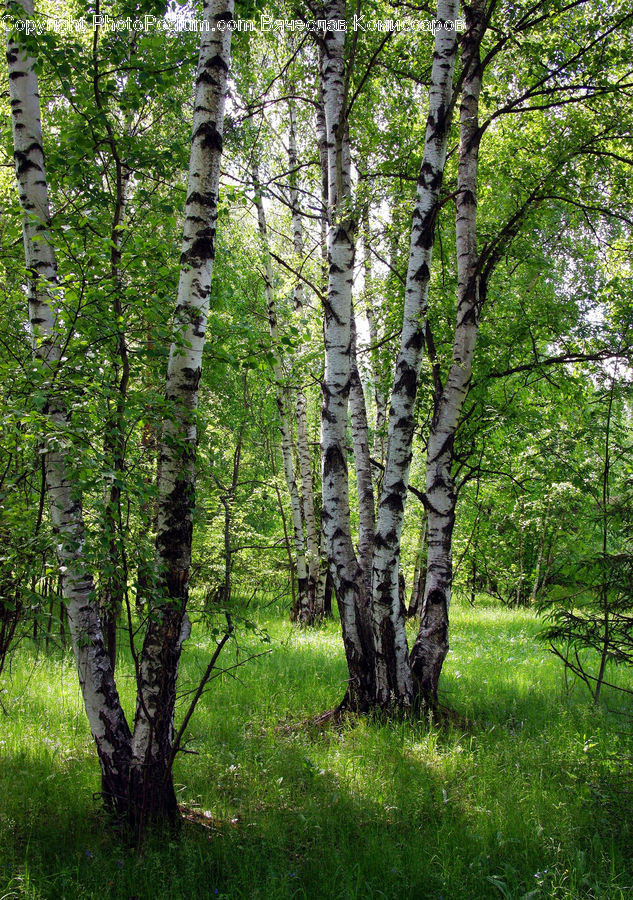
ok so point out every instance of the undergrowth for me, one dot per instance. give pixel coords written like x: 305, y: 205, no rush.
x: 527, y: 794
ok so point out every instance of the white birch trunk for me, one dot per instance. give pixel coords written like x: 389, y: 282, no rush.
x: 348, y: 577
x: 303, y: 447
x: 283, y: 409
x: 362, y: 465
x: 167, y: 624
x: 394, y: 683
x: 431, y: 645
x: 380, y: 396
x: 313, y: 560
x: 107, y: 721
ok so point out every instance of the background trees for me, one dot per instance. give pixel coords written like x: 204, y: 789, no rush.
x: 464, y: 381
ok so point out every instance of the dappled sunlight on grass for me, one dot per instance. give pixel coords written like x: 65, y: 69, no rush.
x: 526, y: 794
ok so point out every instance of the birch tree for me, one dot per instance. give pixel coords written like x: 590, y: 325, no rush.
x: 283, y: 410
x: 136, y: 766
x: 351, y: 581
x: 107, y: 722
x: 394, y: 681
x: 313, y: 555
x: 152, y: 741
x: 367, y: 585
x: 431, y: 644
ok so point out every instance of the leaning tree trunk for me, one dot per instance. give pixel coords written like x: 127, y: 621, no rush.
x: 394, y: 684
x: 349, y: 579
x: 431, y: 645
x: 283, y: 409
x: 105, y: 715
x: 151, y: 783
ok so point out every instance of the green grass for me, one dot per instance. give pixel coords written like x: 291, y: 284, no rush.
x: 528, y: 797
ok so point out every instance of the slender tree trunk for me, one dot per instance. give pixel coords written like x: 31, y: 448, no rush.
x: 325, y: 584
x: 283, y: 409
x: 116, y: 584
x: 362, y: 462
x: 419, y: 573
x: 114, y: 439
x: 380, y: 395
x: 394, y: 684
x: 431, y: 645
x: 151, y: 783
x: 604, y: 586
x: 541, y: 552
x: 518, y: 598
x: 349, y: 579
x: 105, y: 715
x: 313, y: 560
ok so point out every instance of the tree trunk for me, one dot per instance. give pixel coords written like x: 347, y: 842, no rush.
x: 349, y: 579
x: 283, y: 409
x: 536, y: 583
x: 362, y: 462
x: 136, y: 770
x: 313, y: 560
x: 394, y: 684
x: 419, y: 573
x: 151, y: 784
x: 380, y: 396
x: 105, y: 715
x: 431, y: 645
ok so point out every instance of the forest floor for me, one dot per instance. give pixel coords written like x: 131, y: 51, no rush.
x: 527, y: 794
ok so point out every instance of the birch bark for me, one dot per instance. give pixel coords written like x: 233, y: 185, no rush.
x: 313, y: 560
x: 349, y: 579
x: 431, y: 645
x: 151, y: 781
x: 283, y: 409
x: 103, y: 709
x: 394, y: 683
x: 380, y: 396
x: 362, y: 463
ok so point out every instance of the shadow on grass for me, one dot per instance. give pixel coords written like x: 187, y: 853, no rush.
x: 370, y: 809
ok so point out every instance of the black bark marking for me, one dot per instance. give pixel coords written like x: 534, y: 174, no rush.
x: 208, y: 134
x: 407, y: 381
x: 394, y: 500
x: 216, y: 62
x: 23, y: 163
x: 416, y: 341
x: 423, y: 273
x: 333, y: 461
x: 203, y: 247
x: 387, y: 540
x: 175, y: 538
x: 207, y: 78
x: 203, y: 199
x: 191, y: 378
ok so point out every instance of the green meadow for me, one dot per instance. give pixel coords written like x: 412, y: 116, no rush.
x: 525, y: 791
